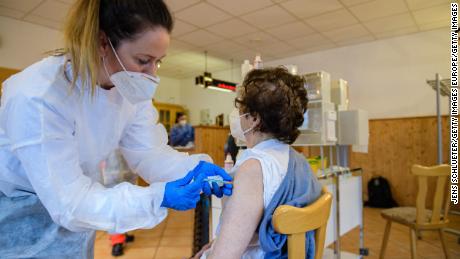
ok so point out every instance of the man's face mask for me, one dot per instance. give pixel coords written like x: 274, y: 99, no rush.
x: 182, y: 122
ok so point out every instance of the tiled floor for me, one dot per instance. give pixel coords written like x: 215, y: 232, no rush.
x: 398, y: 244
x: 173, y: 239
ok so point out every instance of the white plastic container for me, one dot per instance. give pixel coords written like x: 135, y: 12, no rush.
x: 258, y: 64
x: 245, y: 68
x: 292, y: 69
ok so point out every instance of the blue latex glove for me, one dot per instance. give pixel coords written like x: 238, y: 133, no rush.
x: 206, y: 169
x: 181, y: 194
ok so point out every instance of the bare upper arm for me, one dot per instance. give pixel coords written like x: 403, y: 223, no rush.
x: 242, y: 212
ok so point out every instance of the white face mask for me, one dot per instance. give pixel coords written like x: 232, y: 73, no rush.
x: 134, y: 86
x: 235, y: 125
x: 182, y: 122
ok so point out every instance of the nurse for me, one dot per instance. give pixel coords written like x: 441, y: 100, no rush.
x: 61, y: 117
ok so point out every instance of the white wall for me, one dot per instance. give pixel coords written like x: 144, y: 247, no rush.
x: 386, y: 77
x: 169, y: 90
x: 22, y: 43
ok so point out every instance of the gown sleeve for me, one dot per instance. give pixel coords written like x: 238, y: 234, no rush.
x: 145, y: 147
x: 44, y: 142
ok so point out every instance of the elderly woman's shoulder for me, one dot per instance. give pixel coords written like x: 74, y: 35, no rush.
x: 250, y: 170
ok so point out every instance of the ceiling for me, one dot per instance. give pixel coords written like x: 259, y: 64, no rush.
x: 239, y: 29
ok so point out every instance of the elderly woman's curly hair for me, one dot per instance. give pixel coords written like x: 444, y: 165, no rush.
x: 278, y: 97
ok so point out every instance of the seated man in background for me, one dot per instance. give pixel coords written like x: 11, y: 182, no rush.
x: 269, y: 109
x: 182, y: 134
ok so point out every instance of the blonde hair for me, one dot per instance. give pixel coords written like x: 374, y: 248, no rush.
x: 119, y: 20
x: 81, y: 39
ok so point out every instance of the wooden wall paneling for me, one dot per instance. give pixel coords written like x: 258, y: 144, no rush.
x: 394, y: 146
x: 211, y: 140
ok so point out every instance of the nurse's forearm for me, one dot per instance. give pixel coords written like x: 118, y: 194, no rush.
x: 162, y: 164
x: 77, y: 203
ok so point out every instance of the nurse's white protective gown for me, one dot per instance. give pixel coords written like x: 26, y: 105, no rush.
x: 53, y: 138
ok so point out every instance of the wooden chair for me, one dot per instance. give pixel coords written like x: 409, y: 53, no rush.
x: 419, y: 218
x: 295, y: 222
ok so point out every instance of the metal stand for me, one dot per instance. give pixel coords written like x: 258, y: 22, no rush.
x: 201, y: 224
x: 362, y: 250
x: 438, y: 115
x: 321, y: 150
x: 337, y: 209
x: 442, y: 88
x: 336, y: 181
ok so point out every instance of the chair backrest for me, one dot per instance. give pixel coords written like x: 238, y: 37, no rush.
x: 295, y: 222
x: 442, y: 173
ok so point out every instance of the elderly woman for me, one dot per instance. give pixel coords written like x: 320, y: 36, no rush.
x: 269, y: 110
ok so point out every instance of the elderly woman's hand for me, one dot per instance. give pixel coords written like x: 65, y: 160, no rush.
x: 201, y: 252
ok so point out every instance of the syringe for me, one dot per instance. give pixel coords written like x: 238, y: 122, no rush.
x: 219, y: 182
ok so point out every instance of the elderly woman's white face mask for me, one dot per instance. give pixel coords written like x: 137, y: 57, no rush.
x: 235, y: 125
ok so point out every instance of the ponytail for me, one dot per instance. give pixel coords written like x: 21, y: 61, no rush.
x: 81, y: 39
x: 119, y: 20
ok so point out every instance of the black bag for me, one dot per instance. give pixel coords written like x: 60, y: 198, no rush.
x: 379, y: 193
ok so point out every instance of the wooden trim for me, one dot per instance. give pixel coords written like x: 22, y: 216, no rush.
x: 8, y: 71
x: 5, y: 73
x: 409, y: 118
x: 169, y: 105
x: 210, y: 127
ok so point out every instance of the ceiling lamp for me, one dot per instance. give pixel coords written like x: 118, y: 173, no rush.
x: 206, y: 80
